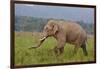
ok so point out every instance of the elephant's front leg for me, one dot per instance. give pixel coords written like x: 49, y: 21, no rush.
x: 59, y: 49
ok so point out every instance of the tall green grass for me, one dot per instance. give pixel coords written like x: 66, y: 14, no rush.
x: 44, y: 54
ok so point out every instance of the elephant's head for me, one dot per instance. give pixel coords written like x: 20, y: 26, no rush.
x: 50, y: 29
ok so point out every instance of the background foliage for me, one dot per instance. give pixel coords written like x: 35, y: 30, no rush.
x: 25, y: 23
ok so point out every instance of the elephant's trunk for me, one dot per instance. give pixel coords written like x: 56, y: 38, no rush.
x: 44, y: 36
x: 40, y: 42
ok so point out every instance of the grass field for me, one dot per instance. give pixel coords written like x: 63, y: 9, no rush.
x: 43, y: 54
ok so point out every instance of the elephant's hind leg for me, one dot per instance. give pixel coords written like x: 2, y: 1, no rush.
x: 83, y: 46
x: 75, y: 50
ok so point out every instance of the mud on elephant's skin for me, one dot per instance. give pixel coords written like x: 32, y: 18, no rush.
x: 65, y: 32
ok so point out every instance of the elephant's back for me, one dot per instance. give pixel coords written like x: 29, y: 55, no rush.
x: 71, y: 26
x: 74, y: 32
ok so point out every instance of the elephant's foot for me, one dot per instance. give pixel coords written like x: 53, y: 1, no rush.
x: 57, y: 51
x: 61, y: 50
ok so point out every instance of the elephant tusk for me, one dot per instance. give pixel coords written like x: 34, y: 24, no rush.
x: 43, y: 38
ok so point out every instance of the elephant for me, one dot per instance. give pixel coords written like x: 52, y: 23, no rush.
x: 65, y: 32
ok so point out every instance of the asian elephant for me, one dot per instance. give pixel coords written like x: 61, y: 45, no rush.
x: 65, y: 32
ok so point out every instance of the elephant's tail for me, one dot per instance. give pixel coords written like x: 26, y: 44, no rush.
x: 84, y: 47
x: 87, y: 41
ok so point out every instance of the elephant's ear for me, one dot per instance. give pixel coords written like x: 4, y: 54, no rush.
x: 55, y: 28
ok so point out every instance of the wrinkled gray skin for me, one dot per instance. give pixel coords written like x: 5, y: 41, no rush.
x: 65, y: 32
